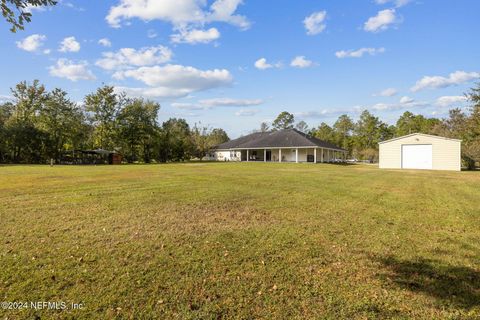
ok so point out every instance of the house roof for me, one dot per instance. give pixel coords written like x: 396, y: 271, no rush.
x: 288, y: 138
x: 419, y: 134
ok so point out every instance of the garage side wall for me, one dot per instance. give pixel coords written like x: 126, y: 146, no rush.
x: 445, y: 153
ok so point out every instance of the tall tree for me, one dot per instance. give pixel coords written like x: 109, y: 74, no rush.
x: 137, y: 128
x: 471, y: 136
x: 175, y: 143
x: 369, y: 131
x: 302, y: 126
x: 6, y: 110
x: 285, y: 120
x: 409, y: 123
x: 264, y: 127
x: 217, y: 136
x: 343, y: 131
x: 23, y: 8
x: 104, y: 106
x: 324, y: 132
x: 26, y: 140
x: 204, y: 139
x: 61, y: 120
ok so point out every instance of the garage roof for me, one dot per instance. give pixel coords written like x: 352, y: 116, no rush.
x: 419, y: 134
x: 288, y: 138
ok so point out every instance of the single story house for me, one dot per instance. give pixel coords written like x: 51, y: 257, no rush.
x: 420, y: 151
x: 289, y: 145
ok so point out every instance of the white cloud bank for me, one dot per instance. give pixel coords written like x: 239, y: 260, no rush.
x: 382, y: 21
x: 69, y: 44
x: 359, y: 53
x: 435, y: 82
x: 32, y: 43
x: 315, y: 23
x: 70, y: 70
x: 180, y: 13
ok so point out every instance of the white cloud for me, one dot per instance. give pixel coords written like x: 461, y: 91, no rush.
x: 404, y: 103
x: 72, y: 71
x: 359, y: 53
x: 397, y: 3
x: 321, y: 114
x: 217, y: 102
x: 448, y: 101
x: 30, y: 8
x: 5, y: 98
x: 301, y: 62
x: 69, y: 44
x: 47, y: 51
x: 128, y: 57
x: 227, y: 102
x: 180, y: 13
x: 381, y: 21
x: 246, y: 112
x: 187, y: 106
x: 172, y: 81
x: 406, y: 100
x: 262, y: 64
x: 224, y: 10
x: 435, y: 82
x: 195, y: 36
x: 389, y: 92
x: 32, y: 43
x: 315, y: 23
x: 151, y: 33
x: 105, y: 42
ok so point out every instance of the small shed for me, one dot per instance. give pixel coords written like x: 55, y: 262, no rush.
x: 420, y: 151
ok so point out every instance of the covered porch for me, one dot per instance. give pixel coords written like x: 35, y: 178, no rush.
x: 296, y: 155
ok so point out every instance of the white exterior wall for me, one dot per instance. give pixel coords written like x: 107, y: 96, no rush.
x: 288, y: 155
x: 226, y: 155
x: 445, y: 152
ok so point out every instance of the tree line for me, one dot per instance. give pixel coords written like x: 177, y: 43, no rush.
x: 361, y: 137
x: 39, y: 125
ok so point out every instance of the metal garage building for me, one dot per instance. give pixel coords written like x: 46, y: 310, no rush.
x: 420, y: 151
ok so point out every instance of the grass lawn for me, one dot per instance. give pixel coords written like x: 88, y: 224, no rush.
x: 240, y: 240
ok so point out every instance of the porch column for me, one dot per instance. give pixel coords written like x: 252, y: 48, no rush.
x: 314, y: 155
x: 279, y: 155
x: 321, y: 159
x: 296, y: 155
x: 248, y: 156
x: 265, y: 155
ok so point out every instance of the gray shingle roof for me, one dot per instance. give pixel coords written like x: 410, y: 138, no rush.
x: 289, y: 138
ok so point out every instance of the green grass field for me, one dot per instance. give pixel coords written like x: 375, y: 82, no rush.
x: 240, y: 240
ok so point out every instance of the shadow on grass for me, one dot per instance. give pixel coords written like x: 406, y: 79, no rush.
x: 458, y: 286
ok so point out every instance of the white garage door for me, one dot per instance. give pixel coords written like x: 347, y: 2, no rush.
x: 417, y: 156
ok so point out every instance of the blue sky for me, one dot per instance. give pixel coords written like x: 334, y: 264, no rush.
x: 234, y: 64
